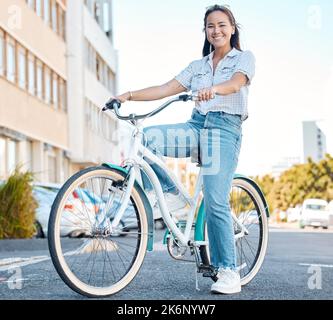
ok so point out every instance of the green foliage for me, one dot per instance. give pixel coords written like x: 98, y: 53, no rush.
x: 300, y: 182
x: 17, y: 207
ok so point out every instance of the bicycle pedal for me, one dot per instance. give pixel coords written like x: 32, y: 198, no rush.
x: 207, y: 271
x: 209, y: 274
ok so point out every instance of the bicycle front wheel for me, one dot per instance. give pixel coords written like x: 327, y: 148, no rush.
x: 248, y: 208
x: 90, y: 256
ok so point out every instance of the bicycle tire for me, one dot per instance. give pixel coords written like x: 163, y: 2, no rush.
x: 255, y: 267
x: 58, y: 254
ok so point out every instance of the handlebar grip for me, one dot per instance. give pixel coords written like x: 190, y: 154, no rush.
x: 110, y: 105
x: 184, y: 97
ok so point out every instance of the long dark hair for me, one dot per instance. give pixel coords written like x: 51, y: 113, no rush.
x: 235, y: 39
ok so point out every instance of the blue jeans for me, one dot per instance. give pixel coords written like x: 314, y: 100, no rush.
x: 216, y: 137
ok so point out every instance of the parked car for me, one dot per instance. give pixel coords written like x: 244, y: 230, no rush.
x: 72, y: 220
x: 44, y: 195
x: 314, y: 213
x: 330, y: 210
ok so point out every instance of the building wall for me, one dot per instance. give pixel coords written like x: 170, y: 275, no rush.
x: 314, y: 141
x: 87, y: 93
x: 34, y: 34
x: 55, y: 135
x: 33, y: 122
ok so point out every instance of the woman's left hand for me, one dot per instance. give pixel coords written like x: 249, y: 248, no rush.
x: 206, y: 94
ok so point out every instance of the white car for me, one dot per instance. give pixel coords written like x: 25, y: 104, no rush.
x: 78, y: 214
x: 330, y: 210
x: 314, y: 213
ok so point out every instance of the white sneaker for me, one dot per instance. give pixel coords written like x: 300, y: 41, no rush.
x: 228, y: 282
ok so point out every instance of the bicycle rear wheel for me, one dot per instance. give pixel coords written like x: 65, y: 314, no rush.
x: 247, y: 206
x: 91, y: 257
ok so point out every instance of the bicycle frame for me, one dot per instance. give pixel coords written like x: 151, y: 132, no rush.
x: 136, y: 161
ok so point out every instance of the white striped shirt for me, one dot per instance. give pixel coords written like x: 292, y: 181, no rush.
x: 199, y: 75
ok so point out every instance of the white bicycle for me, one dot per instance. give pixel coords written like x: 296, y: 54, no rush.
x: 116, y: 225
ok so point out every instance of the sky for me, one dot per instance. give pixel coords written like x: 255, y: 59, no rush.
x: 292, y: 43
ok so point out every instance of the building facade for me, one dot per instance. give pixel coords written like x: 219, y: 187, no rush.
x: 33, y: 79
x: 57, y: 68
x: 92, y: 69
x: 314, y: 141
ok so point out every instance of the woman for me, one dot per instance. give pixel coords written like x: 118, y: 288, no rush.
x: 222, y: 79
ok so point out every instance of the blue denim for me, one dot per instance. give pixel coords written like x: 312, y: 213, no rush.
x: 217, y: 137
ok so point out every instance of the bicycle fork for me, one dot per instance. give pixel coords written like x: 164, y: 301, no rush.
x: 103, y: 217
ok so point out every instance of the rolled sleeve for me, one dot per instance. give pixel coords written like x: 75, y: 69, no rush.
x: 185, y: 77
x: 246, y: 65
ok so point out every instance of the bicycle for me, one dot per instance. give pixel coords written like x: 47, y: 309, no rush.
x: 117, y: 227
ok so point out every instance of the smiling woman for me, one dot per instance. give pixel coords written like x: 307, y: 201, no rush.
x: 221, y: 79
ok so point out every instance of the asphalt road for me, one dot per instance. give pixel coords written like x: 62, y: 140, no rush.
x: 298, y: 265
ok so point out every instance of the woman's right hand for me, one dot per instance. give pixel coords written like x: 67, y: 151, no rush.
x: 124, y: 97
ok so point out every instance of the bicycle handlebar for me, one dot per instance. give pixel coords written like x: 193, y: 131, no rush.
x: 116, y: 105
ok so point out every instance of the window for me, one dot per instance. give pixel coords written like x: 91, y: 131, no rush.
x: 31, y: 77
x: 92, y: 57
x: 65, y: 164
x: 55, y: 93
x: 61, y: 28
x: 111, y: 81
x: 62, y: 93
x: 31, y: 74
x: 2, y: 54
x: 87, y: 53
x: 11, y: 156
x: 31, y: 4
x: 47, y: 11
x: 98, y: 69
x: 54, y: 15
x: 52, y: 165
x: 47, y: 85
x: 39, y: 7
x: 105, y: 74
x: 29, y: 155
x: 22, y: 68
x: 11, y: 65
x: 39, y: 80
x: 106, y: 17
x: 2, y: 157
